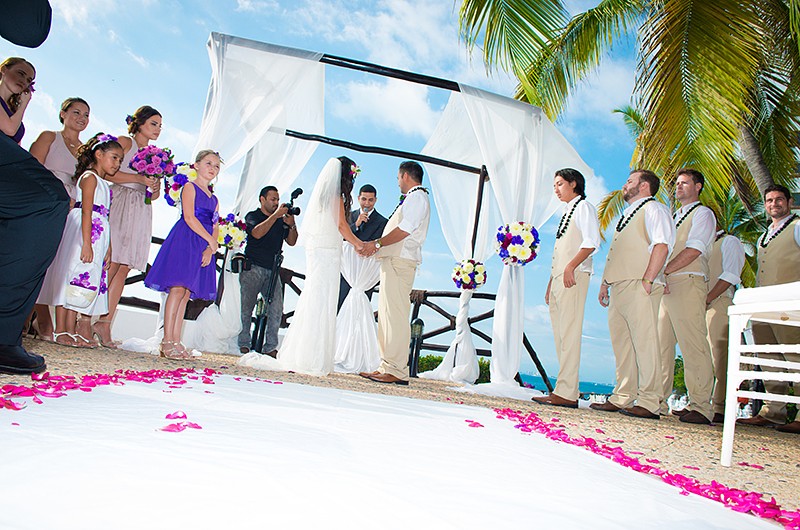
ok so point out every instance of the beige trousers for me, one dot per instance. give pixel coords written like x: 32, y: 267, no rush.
x: 633, y: 325
x: 717, y: 324
x: 682, y: 319
x: 566, y: 316
x: 394, y: 308
x: 775, y: 411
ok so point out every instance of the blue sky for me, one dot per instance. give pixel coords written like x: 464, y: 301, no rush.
x: 120, y: 55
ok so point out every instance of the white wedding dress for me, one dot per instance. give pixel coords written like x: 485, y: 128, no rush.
x: 310, y: 343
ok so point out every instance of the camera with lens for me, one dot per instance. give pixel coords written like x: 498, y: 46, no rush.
x: 293, y: 210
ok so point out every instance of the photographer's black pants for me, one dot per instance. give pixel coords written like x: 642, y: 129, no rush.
x: 33, y: 210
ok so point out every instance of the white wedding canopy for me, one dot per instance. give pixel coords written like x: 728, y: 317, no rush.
x: 259, y: 90
x: 521, y: 150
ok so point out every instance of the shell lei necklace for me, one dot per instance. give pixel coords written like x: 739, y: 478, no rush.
x: 764, y: 241
x: 406, y: 194
x: 623, y: 222
x: 683, y: 218
x: 565, y: 219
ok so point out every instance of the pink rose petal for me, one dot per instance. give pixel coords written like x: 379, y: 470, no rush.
x: 177, y: 415
x: 174, y: 427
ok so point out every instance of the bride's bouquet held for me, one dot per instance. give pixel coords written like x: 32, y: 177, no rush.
x: 152, y: 161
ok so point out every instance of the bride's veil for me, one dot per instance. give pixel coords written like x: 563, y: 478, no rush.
x: 319, y: 226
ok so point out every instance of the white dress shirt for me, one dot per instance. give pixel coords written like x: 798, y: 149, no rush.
x: 416, y: 210
x: 658, y: 223
x: 732, y: 262
x: 585, y: 219
x: 701, y: 233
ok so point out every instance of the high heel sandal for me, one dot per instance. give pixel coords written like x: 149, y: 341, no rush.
x: 112, y: 344
x: 83, y: 342
x: 172, y: 351
x: 70, y: 335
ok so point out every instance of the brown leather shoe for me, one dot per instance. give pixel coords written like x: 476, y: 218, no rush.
x: 695, y: 417
x: 639, y: 412
x: 718, y: 418
x: 557, y: 401
x: 388, y: 378
x: 605, y: 407
x: 793, y: 427
x: 273, y: 354
x: 244, y: 349
x: 368, y: 374
x: 756, y: 421
x: 681, y: 412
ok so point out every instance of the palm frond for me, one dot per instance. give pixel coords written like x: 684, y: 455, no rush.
x: 577, y: 52
x: 512, y: 32
x: 695, y: 85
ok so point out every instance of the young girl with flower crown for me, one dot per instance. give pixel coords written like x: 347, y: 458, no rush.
x: 76, y: 281
x: 184, y: 267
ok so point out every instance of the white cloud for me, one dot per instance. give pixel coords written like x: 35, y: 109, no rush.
x: 255, y: 6
x: 138, y: 59
x: 391, y: 103
x: 79, y: 13
x: 537, y: 315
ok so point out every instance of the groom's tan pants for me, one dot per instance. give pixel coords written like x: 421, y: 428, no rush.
x: 394, y: 307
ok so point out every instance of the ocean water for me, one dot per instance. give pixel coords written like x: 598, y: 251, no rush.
x: 584, y: 387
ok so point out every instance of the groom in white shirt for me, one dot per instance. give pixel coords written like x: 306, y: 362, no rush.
x: 400, y: 252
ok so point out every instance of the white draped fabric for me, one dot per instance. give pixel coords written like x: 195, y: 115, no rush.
x: 522, y: 150
x: 455, y: 194
x: 356, y: 331
x: 257, y: 91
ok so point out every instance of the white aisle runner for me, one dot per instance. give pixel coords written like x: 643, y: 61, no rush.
x: 292, y: 456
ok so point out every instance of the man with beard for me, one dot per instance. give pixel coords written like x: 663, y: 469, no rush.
x: 632, y: 288
x: 267, y: 228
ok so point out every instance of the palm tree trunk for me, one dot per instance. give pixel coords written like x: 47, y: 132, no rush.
x: 754, y: 160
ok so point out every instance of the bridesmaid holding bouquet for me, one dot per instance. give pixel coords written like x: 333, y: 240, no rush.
x: 131, y: 216
x: 184, y: 267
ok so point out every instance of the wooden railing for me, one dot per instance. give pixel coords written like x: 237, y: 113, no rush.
x: 419, y: 299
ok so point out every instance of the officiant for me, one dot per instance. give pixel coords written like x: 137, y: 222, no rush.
x: 367, y: 224
x: 268, y: 227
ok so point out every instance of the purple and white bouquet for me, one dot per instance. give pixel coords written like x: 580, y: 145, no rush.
x: 232, y: 232
x: 152, y: 161
x: 469, y: 274
x: 173, y: 184
x: 517, y: 243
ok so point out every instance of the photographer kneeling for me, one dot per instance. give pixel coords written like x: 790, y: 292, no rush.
x: 267, y: 228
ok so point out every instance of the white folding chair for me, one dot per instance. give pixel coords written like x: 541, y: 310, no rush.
x: 777, y: 304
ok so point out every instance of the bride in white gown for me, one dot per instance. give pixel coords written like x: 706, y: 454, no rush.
x: 310, y: 342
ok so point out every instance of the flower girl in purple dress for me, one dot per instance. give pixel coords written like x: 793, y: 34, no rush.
x: 184, y: 267
x: 76, y: 280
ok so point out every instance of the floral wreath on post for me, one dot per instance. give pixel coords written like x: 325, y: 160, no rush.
x: 469, y: 274
x: 232, y: 232
x: 517, y: 243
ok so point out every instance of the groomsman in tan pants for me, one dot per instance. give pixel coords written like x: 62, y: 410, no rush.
x: 778, y: 262
x: 632, y: 289
x: 400, y: 252
x: 682, y: 316
x: 577, y: 239
x: 725, y: 263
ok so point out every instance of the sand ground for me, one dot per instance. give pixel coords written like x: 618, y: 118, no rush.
x: 675, y: 444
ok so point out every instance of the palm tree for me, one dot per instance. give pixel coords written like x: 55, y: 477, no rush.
x: 716, y: 80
